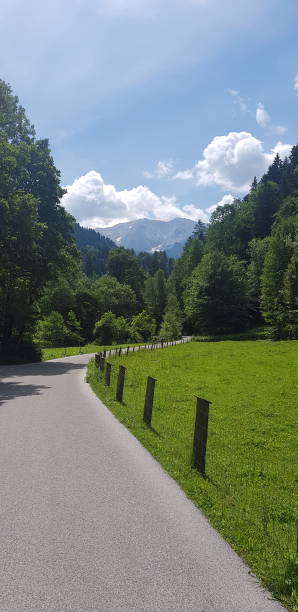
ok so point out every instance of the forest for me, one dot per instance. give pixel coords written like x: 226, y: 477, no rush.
x: 63, y: 285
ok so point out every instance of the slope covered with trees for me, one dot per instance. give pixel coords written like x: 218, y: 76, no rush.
x: 246, y: 266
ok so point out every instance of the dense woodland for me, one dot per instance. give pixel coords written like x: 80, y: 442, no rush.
x: 64, y: 285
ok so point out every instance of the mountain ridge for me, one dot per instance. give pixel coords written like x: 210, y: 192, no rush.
x: 151, y: 235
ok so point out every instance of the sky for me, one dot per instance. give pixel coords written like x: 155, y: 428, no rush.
x: 155, y: 108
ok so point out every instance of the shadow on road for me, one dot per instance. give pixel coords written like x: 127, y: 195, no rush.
x: 45, y: 368
x: 11, y: 390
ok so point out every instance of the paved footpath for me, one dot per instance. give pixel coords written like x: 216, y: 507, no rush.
x: 90, y: 521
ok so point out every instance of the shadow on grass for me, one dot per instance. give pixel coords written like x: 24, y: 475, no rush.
x: 11, y: 390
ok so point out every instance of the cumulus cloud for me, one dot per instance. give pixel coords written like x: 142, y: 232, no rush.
x: 262, y: 117
x: 96, y: 204
x: 296, y: 82
x: 231, y: 161
x: 227, y: 199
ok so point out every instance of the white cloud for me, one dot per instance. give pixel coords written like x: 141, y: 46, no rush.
x: 184, y: 175
x: 162, y: 170
x: 262, y: 117
x: 264, y: 120
x: 241, y: 102
x: 283, y: 150
x: 296, y: 82
x: 227, y: 199
x: 231, y: 161
x: 96, y: 204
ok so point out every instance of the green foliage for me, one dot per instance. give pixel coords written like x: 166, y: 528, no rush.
x: 142, y: 327
x: 216, y: 299
x: 114, y: 296
x: 51, y: 331
x: 279, y: 280
x: 35, y: 232
x: 155, y: 295
x: 257, y: 248
x: 124, y: 266
x: 250, y: 493
x: 183, y: 267
x: 73, y: 335
x: 171, y: 327
x: 151, y: 262
x: 110, y: 329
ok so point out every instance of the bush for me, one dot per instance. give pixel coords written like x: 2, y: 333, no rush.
x: 20, y: 351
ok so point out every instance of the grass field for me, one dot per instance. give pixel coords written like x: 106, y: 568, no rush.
x: 250, y: 490
x: 55, y: 353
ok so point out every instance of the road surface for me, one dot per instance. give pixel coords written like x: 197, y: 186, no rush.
x: 90, y: 521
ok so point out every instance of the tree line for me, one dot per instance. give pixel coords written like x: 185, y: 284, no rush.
x: 61, y: 284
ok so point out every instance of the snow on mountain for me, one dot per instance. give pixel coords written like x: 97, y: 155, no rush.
x: 151, y: 235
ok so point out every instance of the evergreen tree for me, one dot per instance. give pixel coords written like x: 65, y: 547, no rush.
x: 171, y: 327
x: 217, y: 298
x: 279, y: 283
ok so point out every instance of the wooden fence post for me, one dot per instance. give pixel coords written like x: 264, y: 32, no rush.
x: 119, y: 352
x: 200, y: 434
x: 108, y: 374
x: 149, y: 400
x: 127, y: 351
x: 139, y: 347
x: 97, y: 359
x: 120, y: 383
x: 102, y: 363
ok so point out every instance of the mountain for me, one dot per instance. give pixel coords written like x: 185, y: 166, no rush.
x: 151, y: 235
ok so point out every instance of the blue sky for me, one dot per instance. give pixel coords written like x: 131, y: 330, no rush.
x: 156, y: 108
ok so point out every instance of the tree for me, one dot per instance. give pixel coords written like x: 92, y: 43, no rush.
x: 114, y: 296
x: 110, y: 329
x: 172, y: 320
x: 155, y: 295
x: 124, y: 266
x: 258, y: 248
x: 192, y: 254
x: 142, y: 327
x: 266, y: 202
x: 35, y: 231
x: 73, y: 335
x: 216, y: 299
x: 51, y: 331
x: 279, y: 287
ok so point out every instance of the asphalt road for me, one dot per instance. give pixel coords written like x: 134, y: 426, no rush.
x: 90, y: 521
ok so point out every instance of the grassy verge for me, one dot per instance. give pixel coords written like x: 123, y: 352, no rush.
x: 55, y: 353
x: 250, y: 492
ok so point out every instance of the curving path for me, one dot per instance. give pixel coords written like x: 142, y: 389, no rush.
x: 89, y: 521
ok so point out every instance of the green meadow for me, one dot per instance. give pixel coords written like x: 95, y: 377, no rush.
x: 249, y: 492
